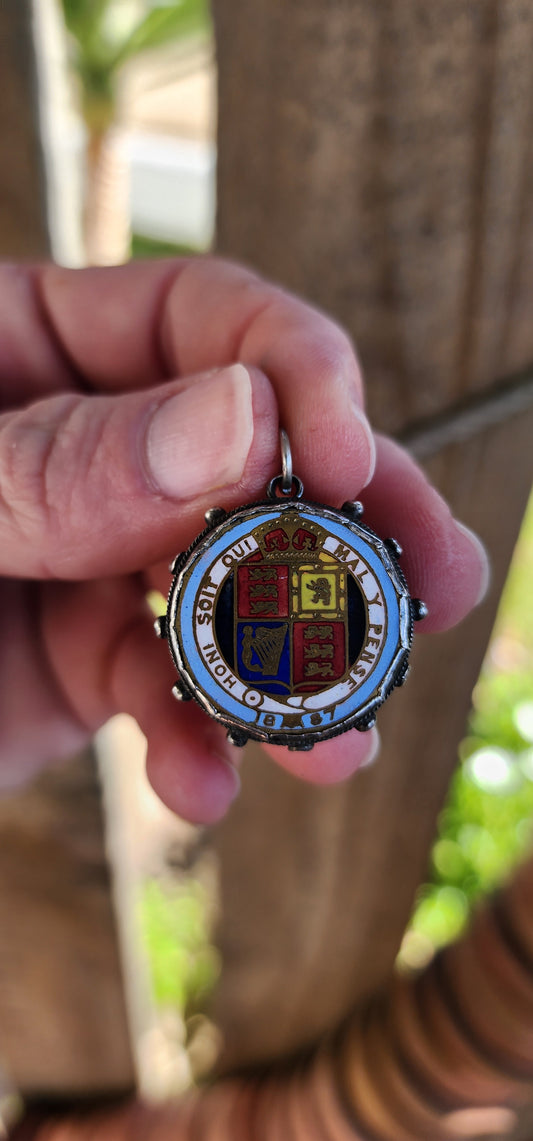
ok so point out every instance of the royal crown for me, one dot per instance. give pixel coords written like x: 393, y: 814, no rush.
x: 290, y: 538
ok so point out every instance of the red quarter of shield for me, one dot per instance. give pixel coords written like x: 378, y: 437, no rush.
x: 262, y: 591
x: 319, y: 654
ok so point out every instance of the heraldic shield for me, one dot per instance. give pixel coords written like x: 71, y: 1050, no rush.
x: 299, y: 618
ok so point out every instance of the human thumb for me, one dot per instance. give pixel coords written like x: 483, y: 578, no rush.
x: 93, y: 485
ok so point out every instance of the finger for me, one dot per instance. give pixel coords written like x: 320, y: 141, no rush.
x: 31, y: 361
x: 308, y: 358
x: 190, y: 762
x: 329, y: 762
x: 125, y: 326
x: 121, y: 669
x: 445, y: 564
x: 97, y: 485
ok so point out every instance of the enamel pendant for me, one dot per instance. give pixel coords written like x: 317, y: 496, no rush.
x: 289, y: 621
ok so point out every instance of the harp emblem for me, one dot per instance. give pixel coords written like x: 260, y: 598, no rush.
x: 262, y: 647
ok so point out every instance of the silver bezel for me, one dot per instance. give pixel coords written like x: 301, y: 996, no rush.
x: 364, y: 714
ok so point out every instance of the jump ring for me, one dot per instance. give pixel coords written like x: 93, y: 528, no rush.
x: 286, y: 462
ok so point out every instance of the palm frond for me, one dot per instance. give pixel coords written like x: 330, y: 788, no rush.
x: 161, y: 25
x: 84, y: 18
x: 104, y: 34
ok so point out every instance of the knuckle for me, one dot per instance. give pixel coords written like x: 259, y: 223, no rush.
x: 331, y: 362
x: 340, y: 355
x: 33, y: 447
x: 326, y: 345
x: 333, y: 352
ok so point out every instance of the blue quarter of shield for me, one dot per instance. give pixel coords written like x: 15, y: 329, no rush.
x: 263, y: 655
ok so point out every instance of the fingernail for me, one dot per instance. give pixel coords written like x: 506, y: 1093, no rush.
x: 225, y: 790
x: 484, y: 564
x: 368, y: 441
x: 199, y: 439
x: 233, y: 768
x: 375, y: 747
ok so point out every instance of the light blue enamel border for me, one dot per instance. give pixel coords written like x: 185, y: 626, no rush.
x: 220, y: 696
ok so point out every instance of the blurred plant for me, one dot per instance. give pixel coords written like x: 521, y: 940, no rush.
x: 103, y: 36
x: 143, y: 247
x: 487, y: 823
x: 175, y: 923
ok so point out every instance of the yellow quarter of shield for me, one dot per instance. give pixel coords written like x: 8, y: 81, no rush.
x: 318, y: 591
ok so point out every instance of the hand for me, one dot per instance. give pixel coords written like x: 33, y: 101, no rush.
x: 125, y: 418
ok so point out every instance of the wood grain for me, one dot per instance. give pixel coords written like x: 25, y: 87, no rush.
x: 23, y: 223
x: 440, y: 1056
x: 63, y: 1026
x: 377, y: 158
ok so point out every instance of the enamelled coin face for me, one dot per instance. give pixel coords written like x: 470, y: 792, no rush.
x: 289, y: 621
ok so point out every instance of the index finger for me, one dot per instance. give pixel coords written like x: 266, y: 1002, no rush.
x: 133, y: 325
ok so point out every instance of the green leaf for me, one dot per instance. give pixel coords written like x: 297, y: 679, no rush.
x: 92, y: 51
x: 162, y: 25
x: 487, y: 823
x: 84, y: 18
x: 104, y: 35
x: 175, y: 925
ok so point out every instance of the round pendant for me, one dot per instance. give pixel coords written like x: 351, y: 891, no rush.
x: 289, y: 621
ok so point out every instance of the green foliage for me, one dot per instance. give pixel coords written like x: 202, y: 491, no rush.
x: 143, y: 247
x: 104, y: 34
x: 161, y: 25
x: 487, y: 823
x: 184, y: 964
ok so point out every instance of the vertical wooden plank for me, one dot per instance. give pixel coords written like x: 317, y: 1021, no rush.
x: 375, y: 158
x: 23, y: 223
x: 63, y: 1025
x: 524, y: 1129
